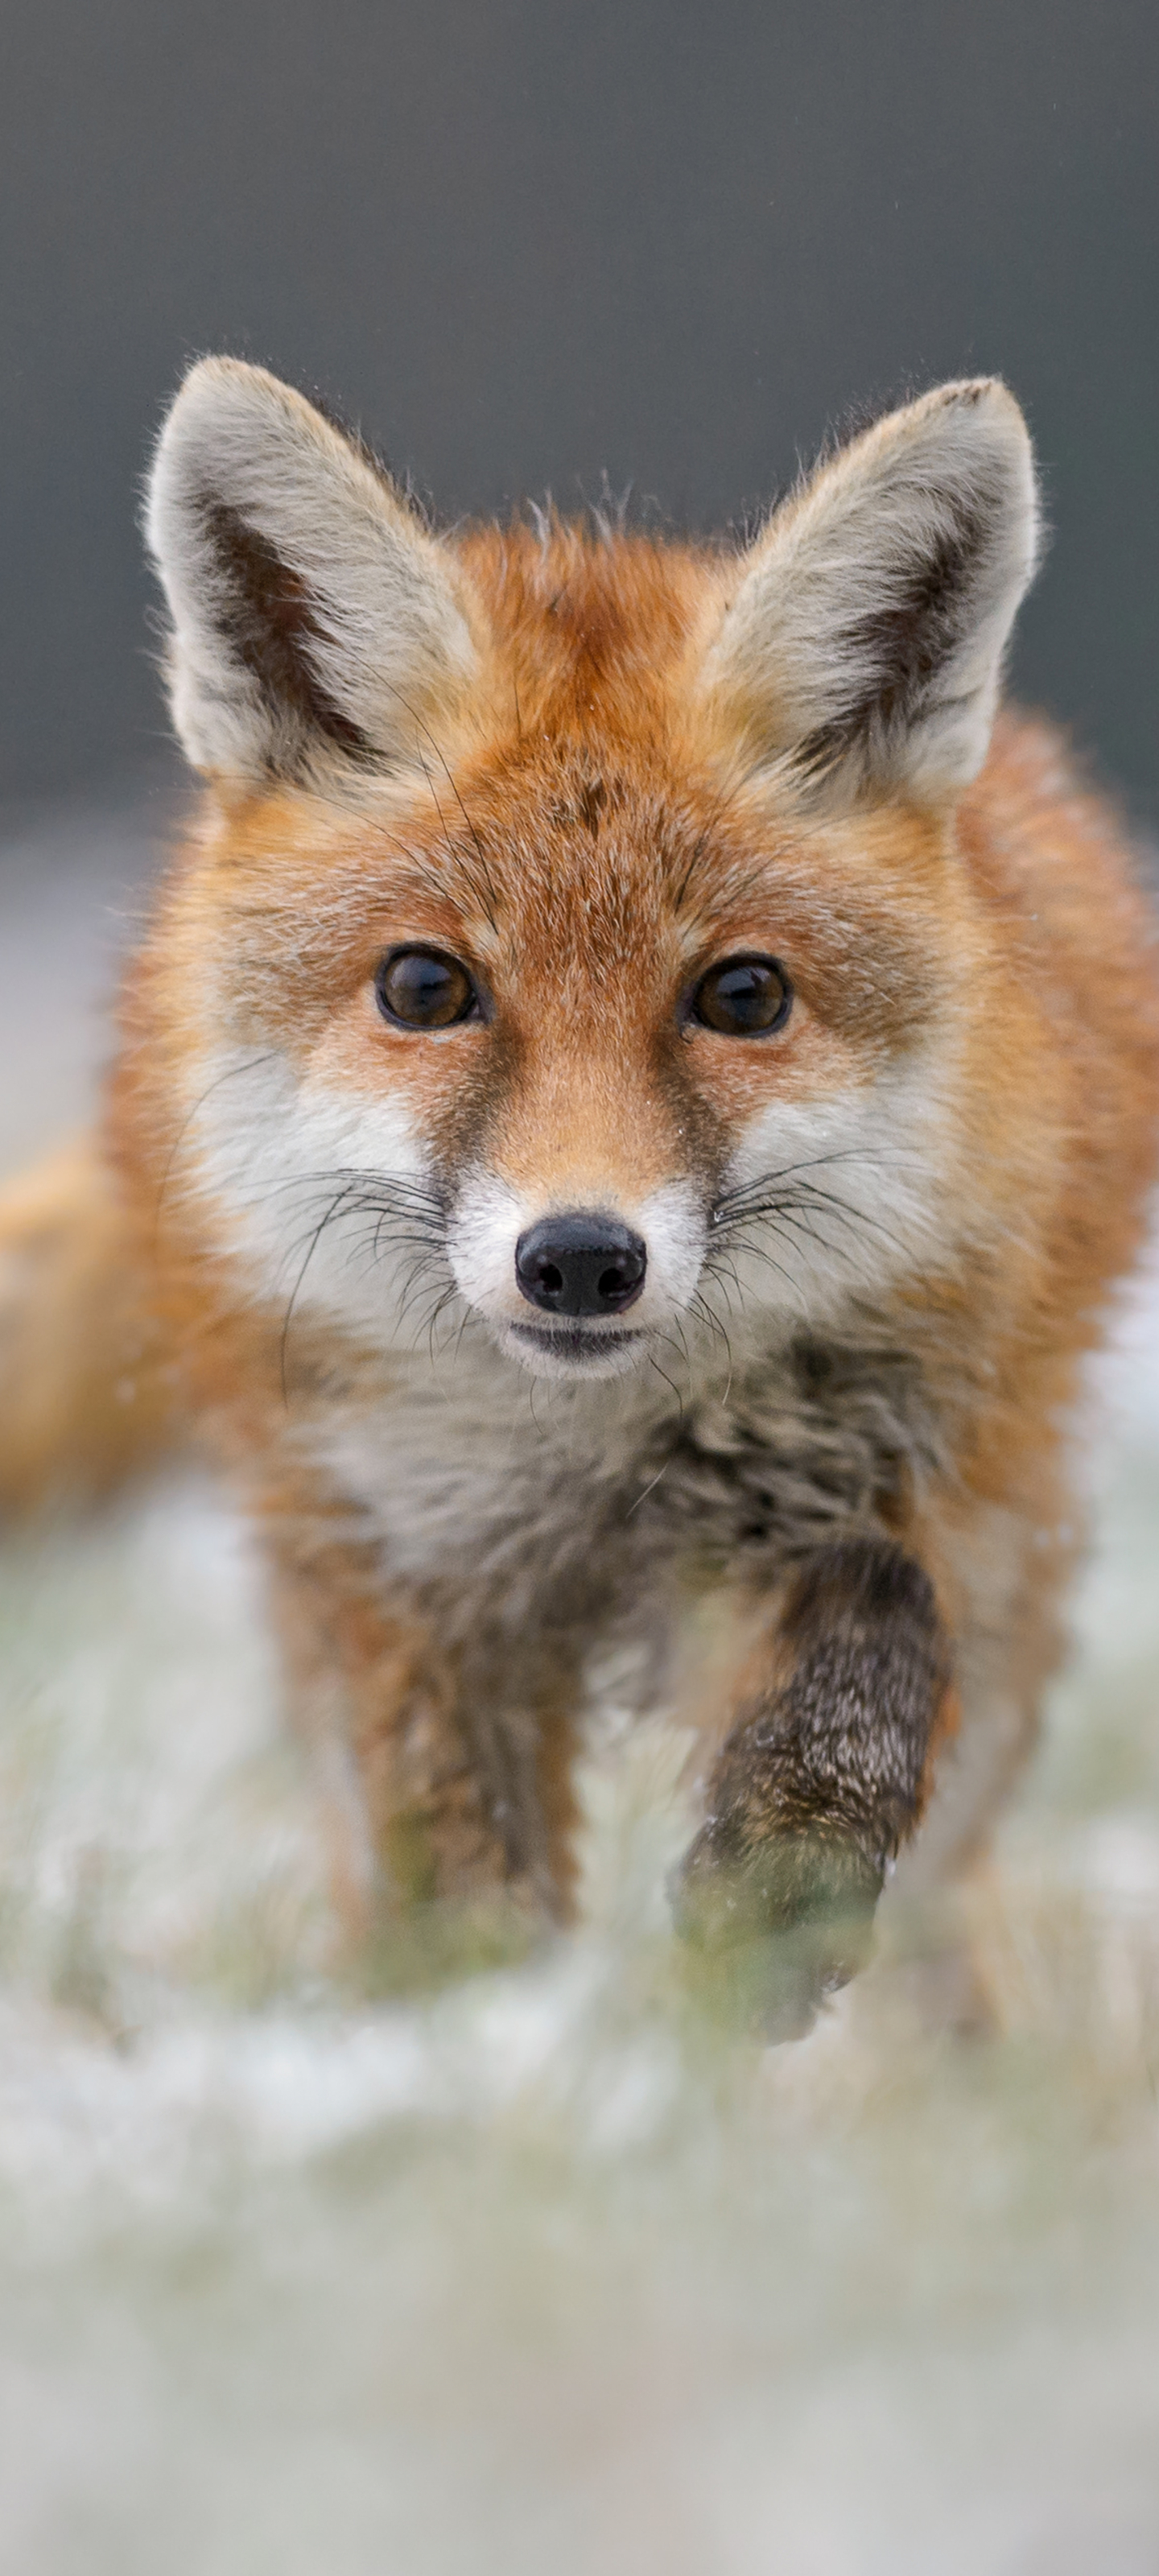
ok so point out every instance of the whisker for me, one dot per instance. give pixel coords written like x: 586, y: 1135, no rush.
x: 824, y: 1201
x: 231, y: 1073
x: 682, y: 1354
x: 649, y: 1488
x: 822, y: 1242
x: 421, y: 726
x: 314, y: 1243
x: 654, y: 1363
x: 762, y: 1253
x: 376, y: 1184
x: 789, y: 1171
x: 445, y: 1300
x: 415, y: 1281
x: 486, y: 900
x: 718, y: 1259
x: 700, y: 1306
x: 852, y: 1215
x: 462, y: 1329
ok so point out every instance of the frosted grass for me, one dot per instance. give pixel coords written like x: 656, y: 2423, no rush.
x: 538, y: 2272
x: 541, y: 2274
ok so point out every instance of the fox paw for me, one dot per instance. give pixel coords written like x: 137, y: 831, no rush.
x: 779, y: 1927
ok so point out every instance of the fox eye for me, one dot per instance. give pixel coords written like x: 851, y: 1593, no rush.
x: 743, y: 997
x: 421, y: 988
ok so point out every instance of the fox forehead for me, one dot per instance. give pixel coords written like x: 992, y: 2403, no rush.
x: 595, y: 630
x: 589, y: 820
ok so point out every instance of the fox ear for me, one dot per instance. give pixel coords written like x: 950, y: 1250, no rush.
x: 314, y: 619
x: 864, y: 644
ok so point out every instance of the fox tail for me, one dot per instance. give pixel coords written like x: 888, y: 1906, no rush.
x: 85, y: 1403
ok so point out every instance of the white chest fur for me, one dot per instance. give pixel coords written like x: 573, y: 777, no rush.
x: 473, y: 1471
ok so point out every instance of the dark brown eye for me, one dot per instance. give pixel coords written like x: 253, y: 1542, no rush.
x: 743, y: 997
x: 420, y: 988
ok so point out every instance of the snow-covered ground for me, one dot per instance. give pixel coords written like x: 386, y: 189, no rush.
x: 540, y: 2275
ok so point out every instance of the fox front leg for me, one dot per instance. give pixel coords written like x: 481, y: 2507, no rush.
x: 820, y: 1781
x: 444, y: 1770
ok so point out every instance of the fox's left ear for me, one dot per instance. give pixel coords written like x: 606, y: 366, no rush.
x: 865, y: 640
x: 317, y: 626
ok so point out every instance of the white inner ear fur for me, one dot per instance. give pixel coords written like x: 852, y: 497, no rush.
x: 866, y: 638
x: 369, y: 617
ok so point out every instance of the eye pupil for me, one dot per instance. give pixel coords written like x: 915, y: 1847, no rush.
x: 743, y: 997
x: 420, y: 988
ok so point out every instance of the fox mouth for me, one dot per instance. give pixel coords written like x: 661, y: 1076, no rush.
x: 573, y: 1349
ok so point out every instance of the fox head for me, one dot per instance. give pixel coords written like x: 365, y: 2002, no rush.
x: 576, y: 943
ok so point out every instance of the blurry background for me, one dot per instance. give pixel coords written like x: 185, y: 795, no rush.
x: 527, y: 243
x: 537, y: 2275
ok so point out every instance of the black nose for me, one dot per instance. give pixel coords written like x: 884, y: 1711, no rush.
x: 580, y: 1264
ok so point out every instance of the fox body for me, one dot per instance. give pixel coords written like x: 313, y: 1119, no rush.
x: 639, y: 1086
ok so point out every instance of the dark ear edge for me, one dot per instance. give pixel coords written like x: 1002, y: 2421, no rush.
x: 268, y: 618
x: 901, y: 647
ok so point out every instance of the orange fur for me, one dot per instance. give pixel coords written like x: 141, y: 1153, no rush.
x: 585, y: 827
x: 86, y: 1395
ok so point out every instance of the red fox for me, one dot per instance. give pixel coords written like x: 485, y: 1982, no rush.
x: 638, y: 1087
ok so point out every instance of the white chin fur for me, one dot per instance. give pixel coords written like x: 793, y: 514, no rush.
x: 573, y: 1355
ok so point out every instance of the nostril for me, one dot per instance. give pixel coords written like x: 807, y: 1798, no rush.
x: 580, y: 1264
x: 616, y: 1282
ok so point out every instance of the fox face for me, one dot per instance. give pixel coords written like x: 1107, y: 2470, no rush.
x: 575, y: 951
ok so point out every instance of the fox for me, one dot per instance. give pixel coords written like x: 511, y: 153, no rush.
x: 629, y: 1112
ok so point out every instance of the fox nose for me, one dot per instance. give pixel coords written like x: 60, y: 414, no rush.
x: 580, y: 1264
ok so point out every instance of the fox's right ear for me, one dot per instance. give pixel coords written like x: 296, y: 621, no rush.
x: 315, y: 620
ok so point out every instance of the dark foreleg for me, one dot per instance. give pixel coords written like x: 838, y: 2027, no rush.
x: 821, y: 1779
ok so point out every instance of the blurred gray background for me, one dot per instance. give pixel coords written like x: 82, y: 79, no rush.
x: 525, y: 244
